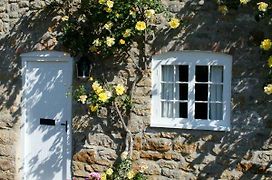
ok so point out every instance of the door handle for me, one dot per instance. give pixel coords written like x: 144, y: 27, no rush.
x: 66, y: 125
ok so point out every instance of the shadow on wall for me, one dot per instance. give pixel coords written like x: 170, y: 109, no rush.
x: 245, y: 151
x: 246, y: 148
x: 35, y: 30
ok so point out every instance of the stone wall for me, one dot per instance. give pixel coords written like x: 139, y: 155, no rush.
x: 243, y: 153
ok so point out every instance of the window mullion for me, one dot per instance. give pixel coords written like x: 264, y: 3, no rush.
x: 191, y: 91
x: 175, y: 93
x: 209, y: 93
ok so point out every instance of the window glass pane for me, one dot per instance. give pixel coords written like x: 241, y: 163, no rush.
x: 216, y: 92
x: 183, y: 91
x: 168, y: 73
x: 183, y: 110
x: 216, y: 111
x: 216, y: 75
x: 201, y: 73
x: 167, y: 91
x: 201, y: 110
x: 183, y: 73
x: 167, y: 109
x: 201, y: 92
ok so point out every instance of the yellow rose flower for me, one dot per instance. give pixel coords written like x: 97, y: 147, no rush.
x: 268, y: 89
x: 103, y: 176
x: 93, y: 108
x: 109, y: 171
x: 119, y: 89
x: 223, y: 9
x: 108, y: 10
x: 102, y: 97
x: 97, y: 87
x: 244, y: 1
x: 149, y: 13
x: 140, y: 25
x: 174, y: 23
x: 127, y: 33
x: 262, y: 6
x: 110, y: 41
x: 108, y: 25
x: 101, y: 1
x: 266, y: 44
x: 83, y: 99
x: 122, y: 41
x: 65, y: 18
x: 97, y: 42
x: 110, y: 3
x: 269, y: 62
x: 91, y: 79
x: 131, y: 174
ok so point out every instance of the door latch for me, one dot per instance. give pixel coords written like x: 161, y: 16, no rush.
x: 66, y: 125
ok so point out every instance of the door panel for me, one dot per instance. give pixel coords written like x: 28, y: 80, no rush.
x: 47, y: 146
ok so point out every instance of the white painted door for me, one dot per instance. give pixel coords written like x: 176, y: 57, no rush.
x: 47, y: 142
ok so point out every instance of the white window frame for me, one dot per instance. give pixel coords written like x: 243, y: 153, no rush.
x: 190, y: 58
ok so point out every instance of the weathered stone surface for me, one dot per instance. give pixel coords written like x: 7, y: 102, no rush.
x: 7, y: 150
x: 153, y: 167
x: 23, y: 4
x: 151, y: 155
x: 168, y: 164
x: 161, y: 144
x: 208, y: 155
x: 138, y: 141
x: 173, y: 173
x: 7, y: 137
x: 172, y: 155
x: 100, y: 140
x: 86, y: 156
x: 184, y: 148
x: 7, y: 165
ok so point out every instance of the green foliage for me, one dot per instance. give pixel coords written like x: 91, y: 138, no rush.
x: 90, y: 22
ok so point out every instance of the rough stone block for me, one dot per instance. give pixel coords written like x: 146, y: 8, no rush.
x: 106, y: 153
x: 87, y: 156
x: 7, y: 137
x: 152, y: 167
x: 2, y: 9
x: 7, y: 150
x: 14, y: 7
x: 185, y: 148
x: 23, y: 4
x: 152, y: 155
x: 7, y: 165
x: 100, y: 139
x: 6, y: 175
x: 168, y: 164
x: 4, y: 17
x: 1, y: 30
x: 35, y: 5
x: 158, y: 144
x: 173, y: 173
x: 138, y: 141
x: 14, y: 14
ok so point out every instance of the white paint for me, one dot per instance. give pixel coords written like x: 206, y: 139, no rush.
x: 190, y: 58
x: 47, y: 78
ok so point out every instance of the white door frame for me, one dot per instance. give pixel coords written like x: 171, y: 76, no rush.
x: 42, y: 56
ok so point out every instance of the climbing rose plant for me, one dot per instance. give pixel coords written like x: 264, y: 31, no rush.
x: 263, y: 12
x: 110, y: 28
x: 107, y: 27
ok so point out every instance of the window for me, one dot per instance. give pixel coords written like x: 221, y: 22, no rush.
x: 191, y: 90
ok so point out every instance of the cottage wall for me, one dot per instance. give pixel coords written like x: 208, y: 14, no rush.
x: 244, y: 152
